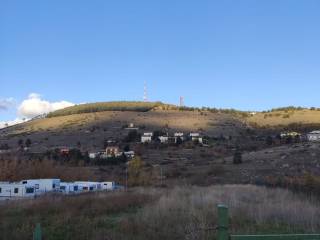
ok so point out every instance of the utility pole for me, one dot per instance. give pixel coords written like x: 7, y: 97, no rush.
x: 181, y: 101
x: 127, y: 179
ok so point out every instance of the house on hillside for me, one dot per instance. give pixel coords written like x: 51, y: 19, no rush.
x: 178, y: 135
x: 146, y: 137
x: 129, y: 154
x: 290, y: 134
x: 163, y: 139
x: 64, y: 150
x: 195, y: 137
x: 93, y: 155
x: 131, y: 126
x: 314, y: 136
x: 112, y: 151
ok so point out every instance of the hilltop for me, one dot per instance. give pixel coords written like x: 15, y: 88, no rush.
x: 110, y: 106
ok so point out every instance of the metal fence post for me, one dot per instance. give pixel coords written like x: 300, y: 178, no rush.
x: 223, y: 222
x: 37, y: 234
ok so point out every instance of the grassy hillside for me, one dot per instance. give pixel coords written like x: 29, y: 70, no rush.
x: 107, y: 106
x: 285, y: 117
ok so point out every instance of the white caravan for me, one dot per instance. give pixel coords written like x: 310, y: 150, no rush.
x: 109, y: 186
x: 88, y: 186
x: 8, y: 190
x: 69, y: 187
x: 43, y: 185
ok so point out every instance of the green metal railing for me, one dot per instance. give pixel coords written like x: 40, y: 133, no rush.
x: 223, y: 231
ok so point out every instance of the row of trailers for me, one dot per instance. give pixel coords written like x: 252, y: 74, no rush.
x: 36, y: 187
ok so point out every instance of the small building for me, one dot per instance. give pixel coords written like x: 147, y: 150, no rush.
x: 290, y: 134
x: 64, y: 151
x: 314, y: 136
x: 8, y: 190
x: 93, y: 155
x: 178, y: 135
x: 146, y: 137
x: 68, y: 187
x: 131, y: 126
x: 112, y: 151
x: 163, y: 139
x: 196, y: 137
x: 129, y: 154
x: 43, y: 185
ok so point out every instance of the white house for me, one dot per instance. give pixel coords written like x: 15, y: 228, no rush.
x: 163, y: 139
x: 314, y: 136
x: 43, y: 185
x: 129, y: 154
x: 69, y: 187
x: 146, y: 137
x: 93, y: 155
x: 109, y: 186
x: 178, y: 135
x: 8, y: 190
x: 196, y: 137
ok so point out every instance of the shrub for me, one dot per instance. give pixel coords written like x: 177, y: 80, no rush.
x: 237, y: 157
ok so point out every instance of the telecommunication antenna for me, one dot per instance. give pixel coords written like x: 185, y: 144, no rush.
x: 145, y: 92
x: 181, y: 101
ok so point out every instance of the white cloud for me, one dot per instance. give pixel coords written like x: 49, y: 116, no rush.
x: 34, y: 106
x: 7, y: 103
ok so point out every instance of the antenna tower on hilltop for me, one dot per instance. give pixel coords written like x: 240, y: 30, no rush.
x: 181, y: 101
x: 145, y: 92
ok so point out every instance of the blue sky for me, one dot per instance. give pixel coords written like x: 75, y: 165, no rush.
x: 244, y: 54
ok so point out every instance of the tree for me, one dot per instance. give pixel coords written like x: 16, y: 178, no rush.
x: 136, y: 173
x: 132, y: 136
x: 126, y: 148
x: 179, y: 141
x: 28, y: 142
x: 289, y: 140
x: 20, y: 143
x: 269, y: 140
x: 237, y: 157
x: 4, y: 146
x: 157, y: 134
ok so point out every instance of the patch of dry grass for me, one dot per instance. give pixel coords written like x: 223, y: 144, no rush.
x: 285, y: 118
x: 185, y: 213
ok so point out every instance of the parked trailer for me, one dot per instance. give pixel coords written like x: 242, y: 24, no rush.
x: 109, y: 186
x: 69, y: 187
x: 43, y: 185
x: 9, y: 190
x: 88, y: 186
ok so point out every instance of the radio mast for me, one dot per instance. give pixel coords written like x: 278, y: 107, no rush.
x: 145, y: 92
x: 181, y: 101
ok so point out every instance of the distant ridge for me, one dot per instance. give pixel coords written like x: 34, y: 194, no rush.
x: 135, y: 106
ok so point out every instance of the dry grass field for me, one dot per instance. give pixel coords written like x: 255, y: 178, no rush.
x: 285, y: 118
x: 153, y: 213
